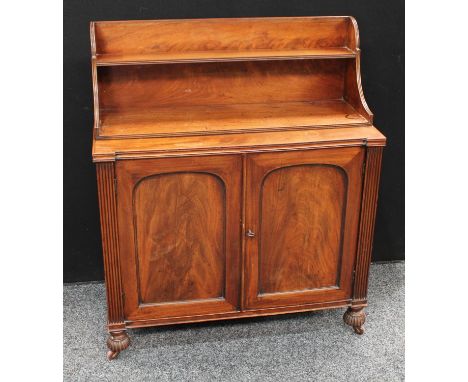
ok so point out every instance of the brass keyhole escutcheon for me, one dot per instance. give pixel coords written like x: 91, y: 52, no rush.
x: 250, y: 233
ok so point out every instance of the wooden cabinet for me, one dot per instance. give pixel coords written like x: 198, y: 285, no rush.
x: 237, y: 166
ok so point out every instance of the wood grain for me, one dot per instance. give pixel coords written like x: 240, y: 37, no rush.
x: 292, y: 198
x: 180, y: 228
x: 110, y: 244
x: 144, y: 87
x: 328, y: 136
x: 247, y: 313
x: 366, y: 227
x: 302, y: 216
x: 227, y: 119
x: 216, y: 82
x: 353, y: 92
x: 223, y: 56
x: 248, y: 34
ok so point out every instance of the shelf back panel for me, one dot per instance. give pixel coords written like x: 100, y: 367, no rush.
x: 149, y: 86
x: 205, y: 35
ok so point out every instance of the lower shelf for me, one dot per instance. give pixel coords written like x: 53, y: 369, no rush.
x: 223, y: 119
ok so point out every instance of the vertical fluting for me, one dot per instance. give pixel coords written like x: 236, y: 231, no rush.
x: 366, y: 228
x: 110, y: 243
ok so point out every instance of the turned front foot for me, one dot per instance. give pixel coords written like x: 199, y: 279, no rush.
x: 355, y: 317
x: 112, y: 354
x: 117, y: 342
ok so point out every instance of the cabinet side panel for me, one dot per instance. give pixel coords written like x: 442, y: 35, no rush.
x: 353, y: 92
x: 302, y: 217
x: 180, y: 221
x: 366, y: 228
x: 110, y: 242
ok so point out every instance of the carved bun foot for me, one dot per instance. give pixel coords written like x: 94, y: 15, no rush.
x: 355, y: 317
x: 117, y: 342
x: 112, y: 354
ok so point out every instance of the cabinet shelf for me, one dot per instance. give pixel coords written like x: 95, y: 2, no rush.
x: 227, y: 119
x: 222, y: 56
x: 233, y: 77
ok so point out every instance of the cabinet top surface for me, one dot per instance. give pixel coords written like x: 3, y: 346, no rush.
x: 223, y: 79
x: 110, y: 149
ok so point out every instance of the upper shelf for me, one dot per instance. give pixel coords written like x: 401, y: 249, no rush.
x: 265, y: 75
x: 214, y: 40
x: 219, y: 56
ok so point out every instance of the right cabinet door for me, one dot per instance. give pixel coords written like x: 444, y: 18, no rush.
x: 301, y: 224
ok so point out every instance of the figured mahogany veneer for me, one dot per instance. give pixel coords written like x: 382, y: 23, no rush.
x: 238, y: 169
x: 305, y: 206
x: 164, y: 238
x: 124, y: 43
x: 304, y: 198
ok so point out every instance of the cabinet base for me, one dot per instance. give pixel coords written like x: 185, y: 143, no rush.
x: 119, y: 340
x: 250, y: 313
x: 355, y: 317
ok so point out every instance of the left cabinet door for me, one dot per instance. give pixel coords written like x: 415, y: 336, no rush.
x: 179, y: 235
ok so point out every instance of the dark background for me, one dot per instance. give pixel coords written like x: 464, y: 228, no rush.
x: 381, y: 26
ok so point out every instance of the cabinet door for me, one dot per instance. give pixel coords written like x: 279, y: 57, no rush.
x: 179, y: 235
x: 302, y: 216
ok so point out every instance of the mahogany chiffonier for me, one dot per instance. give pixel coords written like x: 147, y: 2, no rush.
x: 237, y: 167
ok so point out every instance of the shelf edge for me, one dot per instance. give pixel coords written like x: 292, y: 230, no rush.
x: 103, y: 62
